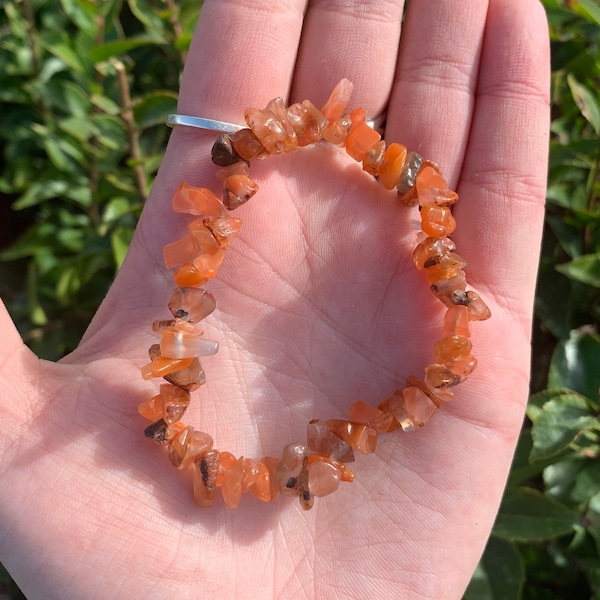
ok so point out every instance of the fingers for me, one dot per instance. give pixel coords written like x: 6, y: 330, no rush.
x: 356, y: 40
x: 504, y: 176
x: 432, y: 99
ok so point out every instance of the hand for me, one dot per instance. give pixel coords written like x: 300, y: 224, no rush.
x: 318, y: 305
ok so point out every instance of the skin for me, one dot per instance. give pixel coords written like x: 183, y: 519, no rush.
x: 319, y: 305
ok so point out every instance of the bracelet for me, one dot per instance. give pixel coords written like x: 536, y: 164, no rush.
x: 315, y: 467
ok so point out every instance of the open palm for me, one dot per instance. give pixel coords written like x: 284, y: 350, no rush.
x: 318, y: 305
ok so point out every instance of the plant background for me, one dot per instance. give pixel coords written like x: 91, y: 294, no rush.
x: 85, y: 88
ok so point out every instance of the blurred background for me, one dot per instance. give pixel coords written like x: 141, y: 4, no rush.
x: 85, y: 88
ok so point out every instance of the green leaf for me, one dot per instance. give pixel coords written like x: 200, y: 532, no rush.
x: 153, y: 108
x: 526, y: 515
x: 500, y: 574
x: 593, y: 519
x: 575, y: 363
x: 588, y: 9
x: 103, y: 52
x: 584, y: 268
x: 586, y: 102
x: 559, y: 423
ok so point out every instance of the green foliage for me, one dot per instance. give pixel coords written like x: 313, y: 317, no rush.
x: 85, y: 89
x: 546, y: 540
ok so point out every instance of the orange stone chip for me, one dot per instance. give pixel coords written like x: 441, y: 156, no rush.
x: 391, y: 167
x: 197, y: 201
x: 360, y: 140
x: 338, y: 100
x: 361, y: 437
x: 437, y: 221
x: 204, y: 477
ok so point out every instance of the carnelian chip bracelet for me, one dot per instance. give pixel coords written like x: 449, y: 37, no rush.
x: 317, y: 466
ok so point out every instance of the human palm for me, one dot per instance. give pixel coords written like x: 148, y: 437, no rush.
x: 318, y: 305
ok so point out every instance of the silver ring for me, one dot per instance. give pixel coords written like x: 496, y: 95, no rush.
x: 378, y: 122
x: 201, y: 123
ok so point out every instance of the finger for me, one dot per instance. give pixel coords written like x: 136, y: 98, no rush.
x: 432, y: 99
x: 242, y: 54
x: 502, y: 191
x: 504, y: 178
x: 355, y: 40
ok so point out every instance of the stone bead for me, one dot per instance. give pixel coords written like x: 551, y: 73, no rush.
x: 361, y: 412
x: 177, y: 324
x: 427, y: 252
x: 169, y: 405
x: 384, y: 407
x: 478, y: 310
x: 374, y: 158
x: 418, y: 405
x: 223, y: 153
x: 290, y: 466
x: 437, y: 221
x: 224, y: 230
x: 308, y: 122
x: 321, y: 439
x: 437, y: 396
x: 454, y: 353
x: 398, y: 409
x: 410, y: 170
x: 237, y: 190
x: 231, y: 486
x: 303, y: 491
x: 204, y: 477
x: 456, y: 322
x: 250, y: 474
x: 391, y: 168
x: 151, y: 409
x: 338, y: 100
x: 323, y: 478
x: 191, y: 304
x: 203, y: 238
x: 448, y: 349
x: 188, y: 446
x: 161, y: 432
x: 196, y: 201
x: 163, y: 366
x: 261, y: 487
x: 179, y: 445
x: 226, y: 461
x: 439, y: 376
x: 272, y: 127
x: 179, y: 344
x: 190, y: 378
x: 446, y: 289
x: 271, y: 463
x: 337, y: 131
x: 462, y: 366
x: 207, y: 265
x: 247, y: 145
x: 239, y: 168
x: 188, y: 276
x: 360, y: 140
x: 346, y: 474
x: 361, y: 437
x: 432, y: 188
x: 445, y: 266
x: 179, y: 252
